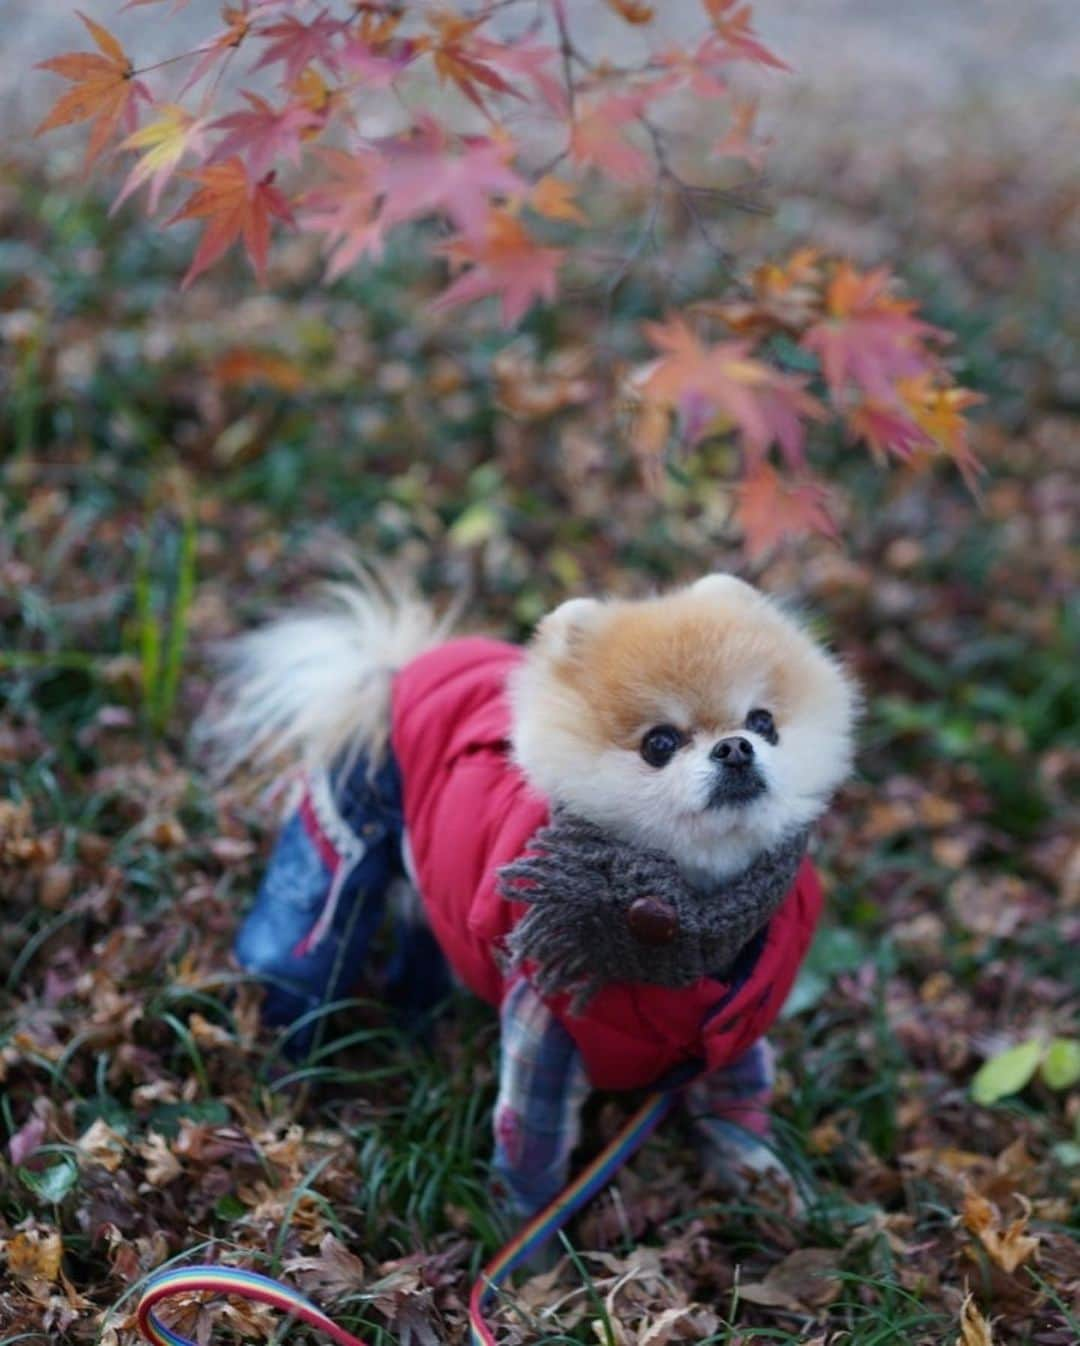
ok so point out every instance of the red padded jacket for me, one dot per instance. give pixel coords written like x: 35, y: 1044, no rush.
x: 469, y: 810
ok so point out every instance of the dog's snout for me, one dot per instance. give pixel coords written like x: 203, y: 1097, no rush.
x: 733, y: 752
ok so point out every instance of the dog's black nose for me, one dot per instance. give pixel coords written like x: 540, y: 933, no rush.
x: 733, y: 752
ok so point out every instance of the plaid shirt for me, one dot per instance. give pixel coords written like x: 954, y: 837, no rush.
x: 542, y: 1086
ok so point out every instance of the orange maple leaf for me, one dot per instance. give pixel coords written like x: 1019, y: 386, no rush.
x: 506, y: 261
x: 241, y: 367
x: 105, y: 89
x: 462, y: 66
x: 632, y: 11
x: 235, y: 206
x: 777, y: 278
x: 554, y: 199
x: 939, y: 413
x: 770, y: 509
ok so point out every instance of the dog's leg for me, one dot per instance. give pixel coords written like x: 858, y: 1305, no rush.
x: 320, y: 903
x: 418, y: 978
x: 542, y: 1086
x: 729, y: 1109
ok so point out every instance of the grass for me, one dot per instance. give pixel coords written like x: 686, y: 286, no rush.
x: 150, y: 507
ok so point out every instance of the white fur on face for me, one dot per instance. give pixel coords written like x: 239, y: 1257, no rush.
x: 735, y: 651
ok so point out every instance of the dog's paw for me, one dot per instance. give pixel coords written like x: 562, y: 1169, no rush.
x: 744, y: 1164
x: 510, y: 1216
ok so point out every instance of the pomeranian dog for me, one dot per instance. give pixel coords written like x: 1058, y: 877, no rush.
x: 604, y: 831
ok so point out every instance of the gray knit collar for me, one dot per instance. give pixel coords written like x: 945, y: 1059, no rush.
x: 603, y: 911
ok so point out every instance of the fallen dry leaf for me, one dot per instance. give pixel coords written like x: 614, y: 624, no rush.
x: 333, y: 1273
x: 1008, y: 1247
x: 804, y: 1281
x: 974, y: 1328
x: 162, y: 1166
x: 100, y: 1144
x: 33, y: 1256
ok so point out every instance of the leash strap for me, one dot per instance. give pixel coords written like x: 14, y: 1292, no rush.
x: 227, y: 1281
x: 250, y: 1285
x: 552, y: 1218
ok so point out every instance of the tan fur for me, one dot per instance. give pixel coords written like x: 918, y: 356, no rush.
x: 686, y: 650
x: 598, y: 675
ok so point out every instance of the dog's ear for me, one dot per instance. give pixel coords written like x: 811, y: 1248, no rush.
x: 725, y: 587
x: 562, y: 633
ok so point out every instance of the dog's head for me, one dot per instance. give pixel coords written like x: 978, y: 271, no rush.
x: 705, y: 723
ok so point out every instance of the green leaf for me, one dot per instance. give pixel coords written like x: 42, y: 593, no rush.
x: 166, y: 1117
x: 478, y: 523
x: 230, y: 1208
x: 1007, y: 1073
x: 835, y: 949
x: 53, y: 1183
x: 809, y: 988
x: 1061, y: 1064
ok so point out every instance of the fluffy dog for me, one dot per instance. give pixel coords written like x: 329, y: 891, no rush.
x: 606, y: 831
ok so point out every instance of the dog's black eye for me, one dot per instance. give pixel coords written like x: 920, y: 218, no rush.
x: 760, y: 721
x: 661, y: 744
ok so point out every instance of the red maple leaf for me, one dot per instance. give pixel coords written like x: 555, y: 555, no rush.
x: 238, y: 21
x: 598, y: 136
x: 266, y: 133
x: 297, y: 44
x: 713, y: 387
x: 345, y: 208
x: 530, y: 60
x: 887, y: 429
x: 378, y: 65
x: 733, y: 30
x: 868, y: 337
x: 235, y: 207
x: 770, y: 509
x: 105, y: 90
x: 420, y: 175
x: 505, y: 261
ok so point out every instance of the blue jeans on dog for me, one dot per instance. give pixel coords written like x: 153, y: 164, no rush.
x: 323, y: 900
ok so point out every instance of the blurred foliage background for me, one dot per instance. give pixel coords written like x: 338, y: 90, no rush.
x: 175, y: 466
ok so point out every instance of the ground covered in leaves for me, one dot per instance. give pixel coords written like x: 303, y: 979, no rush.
x: 174, y: 467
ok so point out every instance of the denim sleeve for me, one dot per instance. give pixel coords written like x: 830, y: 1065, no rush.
x: 321, y: 899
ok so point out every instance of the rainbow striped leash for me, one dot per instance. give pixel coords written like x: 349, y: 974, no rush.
x: 250, y: 1285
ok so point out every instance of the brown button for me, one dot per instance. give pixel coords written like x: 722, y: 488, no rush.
x: 652, y: 920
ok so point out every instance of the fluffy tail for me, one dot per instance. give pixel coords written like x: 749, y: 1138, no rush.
x: 315, y: 684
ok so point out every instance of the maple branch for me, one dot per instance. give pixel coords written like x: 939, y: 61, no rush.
x: 646, y: 235
x: 169, y: 60
x: 567, y: 51
x: 686, y: 193
x: 212, y: 92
